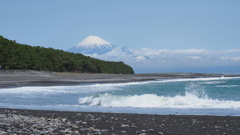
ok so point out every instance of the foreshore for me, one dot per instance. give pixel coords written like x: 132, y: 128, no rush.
x: 17, y: 78
x: 40, y: 122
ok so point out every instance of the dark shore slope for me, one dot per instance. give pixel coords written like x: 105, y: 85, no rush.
x: 16, y: 78
x: 13, y: 121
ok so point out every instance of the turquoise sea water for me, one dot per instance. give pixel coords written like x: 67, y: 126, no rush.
x: 201, y: 96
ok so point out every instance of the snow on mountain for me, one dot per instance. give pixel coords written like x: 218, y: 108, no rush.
x: 92, y: 41
x: 91, y: 45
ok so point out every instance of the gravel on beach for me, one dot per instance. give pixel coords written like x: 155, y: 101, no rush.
x: 39, y: 122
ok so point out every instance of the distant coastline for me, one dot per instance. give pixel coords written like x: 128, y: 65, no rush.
x: 17, y: 78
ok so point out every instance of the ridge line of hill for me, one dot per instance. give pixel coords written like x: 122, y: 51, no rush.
x: 14, y: 55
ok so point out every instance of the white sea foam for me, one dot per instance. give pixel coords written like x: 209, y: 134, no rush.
x: 198, y: 79
x: 80, y: 89
x: 61, y: 89
x: 101, y: 87
x: 105, y: 86
x: 228, y: 86
x: 213, y: 82
x: 189, y: 100
x: 121, y: 97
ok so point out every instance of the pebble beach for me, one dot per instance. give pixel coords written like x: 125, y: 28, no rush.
x: 37, y: 122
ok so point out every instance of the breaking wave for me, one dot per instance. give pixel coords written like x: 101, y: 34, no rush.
x: 152, y: 100
x: 194, y: 97
x: 104, y: 86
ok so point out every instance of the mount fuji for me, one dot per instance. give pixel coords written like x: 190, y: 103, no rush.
x: 92, y: 45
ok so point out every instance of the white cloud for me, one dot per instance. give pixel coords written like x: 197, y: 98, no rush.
x: 196, y: 57
x: 224, y: 58
x: 236, y: 58
x: 146, y: 57
x: 140, y: 58
x: 229, y: 51
x: 192, y: 52
x: 152, y: 53
x: 231, y: 58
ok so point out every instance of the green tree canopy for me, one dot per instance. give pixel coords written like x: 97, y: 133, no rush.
x: 18, y: 56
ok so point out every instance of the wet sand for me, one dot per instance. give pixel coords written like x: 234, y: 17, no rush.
x: 17, y: 121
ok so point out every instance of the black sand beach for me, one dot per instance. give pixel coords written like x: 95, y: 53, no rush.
x: 16, y: 121
x: 16, y: 78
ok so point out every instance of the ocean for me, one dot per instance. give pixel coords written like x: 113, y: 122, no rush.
x: 200, y: 96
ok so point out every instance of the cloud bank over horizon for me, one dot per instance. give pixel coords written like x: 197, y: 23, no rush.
x: 147, y: 58
x: 162, y: 60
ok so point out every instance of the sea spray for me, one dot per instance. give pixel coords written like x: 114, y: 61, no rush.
x: 194, y: 97
x: 195, y: 89
x: 151, y: 100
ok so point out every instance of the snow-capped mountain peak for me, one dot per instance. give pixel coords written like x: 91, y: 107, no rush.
x: 91, y: 45
x: 93, y: 41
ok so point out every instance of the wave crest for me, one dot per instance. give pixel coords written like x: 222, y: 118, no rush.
x: 189, y: 100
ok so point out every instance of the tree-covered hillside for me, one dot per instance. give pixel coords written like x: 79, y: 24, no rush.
x: 18, y: 56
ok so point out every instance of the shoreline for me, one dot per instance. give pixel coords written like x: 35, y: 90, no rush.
x: 26, y: 121
x: 19, y: 78
x: 22, y: 121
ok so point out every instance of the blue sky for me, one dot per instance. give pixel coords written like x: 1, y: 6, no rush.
x: 175, y: 26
